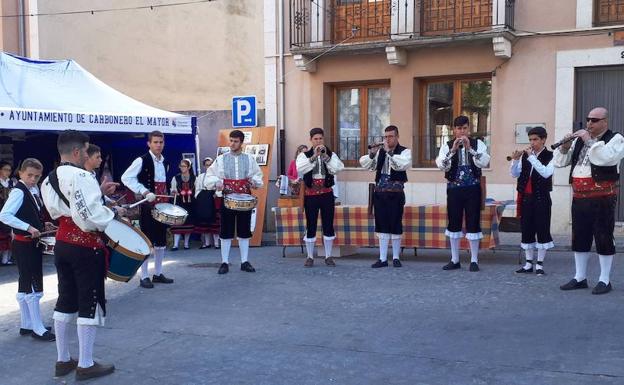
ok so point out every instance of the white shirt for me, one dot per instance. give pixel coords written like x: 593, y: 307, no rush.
x: 84, y: 196
x: 130, y: 177
x: 480, y: 156
x: 334, y: 165
x: 201, y: 183
x: 218, y: 172
x: 396, y: 162
x: 545, y: 171
x: 13, y: 204
x: 5, y: 182
x: 599, y: 154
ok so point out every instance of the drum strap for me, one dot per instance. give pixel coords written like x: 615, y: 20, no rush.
x: 54, y: 182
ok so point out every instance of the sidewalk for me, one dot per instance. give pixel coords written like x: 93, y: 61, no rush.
x: 347, y: 325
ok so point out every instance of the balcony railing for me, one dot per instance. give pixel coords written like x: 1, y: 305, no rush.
x: 315, y: 23
x: 608, y: 12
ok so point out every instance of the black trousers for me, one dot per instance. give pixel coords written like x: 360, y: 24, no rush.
x: 29, y: 261
x: 593, y: 219
x: 324, y: 203
x: 535, y: 219
x: 389, y: 212
x: 460, y: 201
x: 81, y: 273
x: 233, y: 220
x: 155, y: 231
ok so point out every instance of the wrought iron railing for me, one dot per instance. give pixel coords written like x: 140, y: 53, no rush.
x: 323, y: 22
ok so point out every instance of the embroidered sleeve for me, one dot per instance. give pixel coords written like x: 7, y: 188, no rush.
x: 607, y: 154
x: 402, y: 161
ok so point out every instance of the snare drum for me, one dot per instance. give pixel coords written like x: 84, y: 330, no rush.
x: 240, y: 202
x: 169, y: 214
x: 47, y: 245
x: 128, y: 248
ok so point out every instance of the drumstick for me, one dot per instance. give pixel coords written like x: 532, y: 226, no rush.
x: 174, y: 199
x: 135, y: 204
x: 43, y: 233
x: 164, y: 196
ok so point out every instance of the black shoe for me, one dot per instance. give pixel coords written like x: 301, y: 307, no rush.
x: 474, y: 266
x: 217, y: 247
x: 146, y: 283
x: 525, y: 271
x: 27, y: 332
x: 451, y: 266
x: 97, y: 370
x: 379, y: 264
x: 187, y: 248
x: 574, y: 284
x: 396, y: 263
x: 247, y: 267
x: 540, y: 271
x: 601, y: 288
x: 161, y: 279
x: 64, y: 368
x: 48, y: 336
x: 174, y: 249
x: 224, y: 268
x: 204, y: 247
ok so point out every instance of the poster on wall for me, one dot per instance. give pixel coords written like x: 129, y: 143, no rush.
x: 190, y: 156
x: 223, y: 150
x: 259, y: 151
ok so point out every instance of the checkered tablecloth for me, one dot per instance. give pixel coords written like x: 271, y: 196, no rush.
x: 423, y: 227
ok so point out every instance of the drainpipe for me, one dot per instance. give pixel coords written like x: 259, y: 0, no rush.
x: 282, y: 98
x: 21, y: 28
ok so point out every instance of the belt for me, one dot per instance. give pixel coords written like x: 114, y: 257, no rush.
x: 23, y: 238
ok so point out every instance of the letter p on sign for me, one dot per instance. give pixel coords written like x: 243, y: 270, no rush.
x: 244, y: 111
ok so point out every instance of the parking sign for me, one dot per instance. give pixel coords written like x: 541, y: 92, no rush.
x: 244, y: 111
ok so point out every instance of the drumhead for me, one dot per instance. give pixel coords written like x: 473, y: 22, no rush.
x: 48, y: 240
x: 171, y: 209
x: 241, y: 197
x: 127, y: 237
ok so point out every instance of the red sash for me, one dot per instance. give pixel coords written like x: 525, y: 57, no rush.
x: 240, y: 186
x: 22, y: 238
x: 589, y: 188
x: 318, y: 188
x: 69, y: 232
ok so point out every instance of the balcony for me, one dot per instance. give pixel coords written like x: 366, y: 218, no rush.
x: 361, y: 24
x: 608, y: 12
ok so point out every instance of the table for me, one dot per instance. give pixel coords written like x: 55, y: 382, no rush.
x: 423, y: 227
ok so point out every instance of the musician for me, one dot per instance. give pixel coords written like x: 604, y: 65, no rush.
x: 462, y: 159
x: 6, y: 184
x: 318, y: 166
x: 94, y: 159
x: 183, y: 186
x: 147, y: 176
x: 235, y: 172
x: 207, y: 209
x: 594, y: 155
x: 74, y: 198
x: 22, y: 212
x: 389, y: 160
x: 534, y: 169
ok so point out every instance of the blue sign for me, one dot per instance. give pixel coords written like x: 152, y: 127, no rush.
x: 244, y: 111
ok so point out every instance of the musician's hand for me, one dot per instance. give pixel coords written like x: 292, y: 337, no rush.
x: 325, y: 157
x: 583, y: 134
x: 564, y: 148
x: 108, y: 188
x: 456, y: 144
x: 466, y: 143
x: 34, y: 232
x: 150, y: 196
x: 516, y: 155
x: 49, y: 226
x: 373, y: 150
x: 120, y: 211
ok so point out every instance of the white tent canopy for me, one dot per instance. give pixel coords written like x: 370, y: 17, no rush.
x: 60, y: 94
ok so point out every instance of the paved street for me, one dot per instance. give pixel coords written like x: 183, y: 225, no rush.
x: 346, y: 325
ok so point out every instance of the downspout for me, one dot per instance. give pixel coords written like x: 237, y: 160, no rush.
x: 282, y: 88
x: 21, y: 28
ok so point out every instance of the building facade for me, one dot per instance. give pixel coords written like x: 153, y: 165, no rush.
x: 356, y: 66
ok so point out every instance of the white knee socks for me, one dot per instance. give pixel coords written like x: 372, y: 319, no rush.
x: 396, y: 248
x: 144, y: 271
x: 6, y: 254
x: 328, y: 242
x: 215, y: 238
x: 159, y: 255
x: 474, y: 250
x: 187, y: 238
x: 605, y: 267
x: 225, y: 250
x: 454, y: 249
x: 541, y: 254
x: 32, y: 299
x: 86, y: 340
x: 580, y: 260
x: 62, y: 345
x: 310, y: 248
x: 26, y: 322
x: 383, y: 247
x: 528, y: 255
x: 176, y: 240
x: 243, y: 245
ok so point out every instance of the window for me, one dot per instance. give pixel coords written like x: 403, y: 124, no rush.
x: 443, y: 100
x: 608, y: 12
x: 361, y: 112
